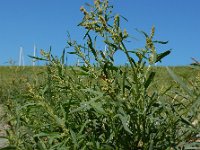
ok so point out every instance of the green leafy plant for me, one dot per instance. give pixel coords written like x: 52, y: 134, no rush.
x: 97, y: 105
x: 187, y: 98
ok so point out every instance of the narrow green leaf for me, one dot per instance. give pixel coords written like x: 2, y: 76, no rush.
x: 111, y: 45
x: 111, y: 57
x: 63, y: 112
x: 79, y: 108
x: 73, y: 135
x: 80, y: 71
x: 90, y: 44
x: 41, y: 145
x: 184, y: 120
x: 43, y: 134
x: 63, y: 57
x: 86, y: 34
x: 98, y: 107
x: 86, y: 105
x: 161, y: 42
x: 9, y: 148
x: 144, y: 33
x: 87, y: 4
x: 124, y: 121
x: 178, y: 80
x: 83, y: 127
x: 72, y: 52
x: 38, y: 58
x: 124, y: 18
x: 162, y: 55
x: 102, y: 55
x: 27, y: 105
x: 150, y: 79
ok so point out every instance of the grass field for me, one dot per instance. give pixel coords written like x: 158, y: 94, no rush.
x: 14, y: 73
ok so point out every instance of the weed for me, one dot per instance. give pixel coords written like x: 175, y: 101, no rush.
x: 98, y: 105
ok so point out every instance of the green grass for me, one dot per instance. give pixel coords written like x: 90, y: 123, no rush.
x: 10, y: 74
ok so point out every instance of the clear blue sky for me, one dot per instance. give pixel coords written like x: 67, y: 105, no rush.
x: 46, y: 22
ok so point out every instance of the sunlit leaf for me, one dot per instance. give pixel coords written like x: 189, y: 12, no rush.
x: 98, y: 107
x: 124, y: 121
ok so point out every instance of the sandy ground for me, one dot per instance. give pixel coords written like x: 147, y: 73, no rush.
x: 3, y: 142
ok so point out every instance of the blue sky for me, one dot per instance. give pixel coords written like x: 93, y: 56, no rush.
x: 46, y: 22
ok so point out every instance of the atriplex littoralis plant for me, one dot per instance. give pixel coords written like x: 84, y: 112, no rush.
x: 97, y: 105
x: 127, y: 91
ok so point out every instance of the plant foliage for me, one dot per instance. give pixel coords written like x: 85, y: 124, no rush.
x: 98, y: 105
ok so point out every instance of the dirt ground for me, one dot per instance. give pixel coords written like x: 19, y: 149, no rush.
x: 3, y: 142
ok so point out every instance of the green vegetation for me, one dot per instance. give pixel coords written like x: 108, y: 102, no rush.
x: 98, y: 105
